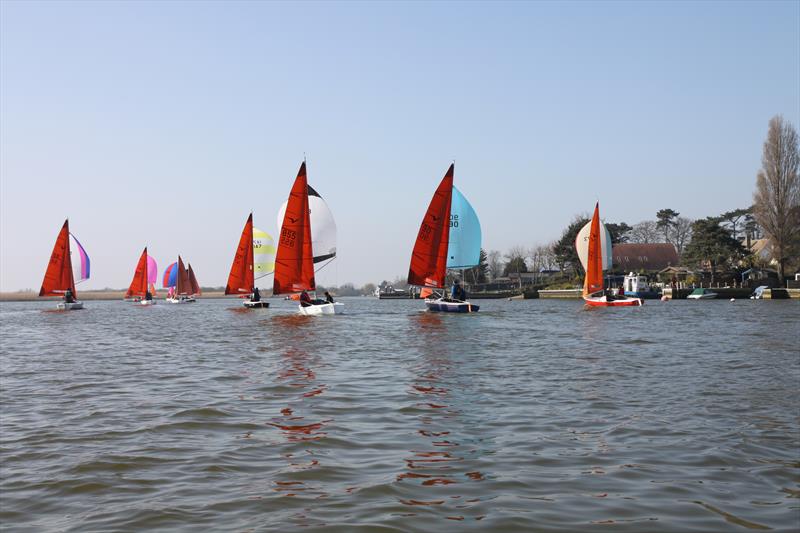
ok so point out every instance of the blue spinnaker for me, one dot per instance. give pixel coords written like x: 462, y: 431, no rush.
x: 464, y: 247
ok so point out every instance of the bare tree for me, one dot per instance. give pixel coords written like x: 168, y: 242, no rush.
x: 777, y: 197
x: 495, y: 264
x: 644, y: 232
x: 681, y: 233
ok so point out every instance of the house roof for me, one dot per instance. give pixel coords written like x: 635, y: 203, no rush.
x: 652, y: 256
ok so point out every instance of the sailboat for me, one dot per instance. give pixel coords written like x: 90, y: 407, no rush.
x: 593, y: 293
x: 241, y: 280
x: 294, y: 259
x: 142, y: 286
x: 59, y: 279
x: 182, y: 282
x: 449, y: 237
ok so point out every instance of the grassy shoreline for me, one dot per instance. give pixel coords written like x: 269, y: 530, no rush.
x: 30, y: 296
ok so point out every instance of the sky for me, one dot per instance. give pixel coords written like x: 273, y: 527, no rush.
x: 165, y: 123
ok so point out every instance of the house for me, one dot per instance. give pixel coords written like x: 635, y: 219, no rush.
x: 630, y: 257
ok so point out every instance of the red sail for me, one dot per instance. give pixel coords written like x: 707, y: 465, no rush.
x: 429, y: 258
x: 195, y: 287
x: 183, y: 285
x: 294, y: 259
x: 139, y: 283
x: 241, y: 279
x: 58, y: 277
x: 594, y: 262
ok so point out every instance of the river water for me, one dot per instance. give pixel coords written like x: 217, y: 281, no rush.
x: 527, y: 416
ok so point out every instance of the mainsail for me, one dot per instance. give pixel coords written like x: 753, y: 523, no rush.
x: 58, y: 277
x: 464, y: 247
x: 429, y: 258
x: 594, y: 261
x: 194, y: 286
x: 138, y: 286
x: 294, y: 266
x: 323, y: 226
x: 184, y: 285
x: 241, y: 277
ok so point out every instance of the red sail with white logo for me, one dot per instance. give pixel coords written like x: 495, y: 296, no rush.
x: 429, y: 258
x: 294, y: 259
x: 138, y: 285
x: 58, y: 277
x: 241, y: 280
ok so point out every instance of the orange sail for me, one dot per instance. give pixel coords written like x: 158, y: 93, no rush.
x: 294, y: 259
x: 58, y: 277
x: 195, y: 287
x: 183, y: 286
x: 429, y: 258
x: 242, y: 279
x: 594, y: 262
x: 138, y: 285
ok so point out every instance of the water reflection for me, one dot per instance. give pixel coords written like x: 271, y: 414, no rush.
x: 296, y: 377
x: 442, y: 452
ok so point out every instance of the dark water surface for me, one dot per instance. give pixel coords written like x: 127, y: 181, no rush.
x: 528, y: 416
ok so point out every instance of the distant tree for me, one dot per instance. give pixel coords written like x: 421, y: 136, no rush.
x: 681, y: 233
x: 368, y: 288
x: 565, y: 255
x: 776, y: 202
x: 515, y: 260
x: 713, y: 245
x: 619, y: 232
x: 644, y: 232
x: 495, y: 264
x: 666, y: 220
x: 731, y: 220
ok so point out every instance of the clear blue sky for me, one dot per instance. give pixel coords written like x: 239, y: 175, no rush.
x: 165, y: 123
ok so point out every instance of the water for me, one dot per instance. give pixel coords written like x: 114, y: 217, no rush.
x: 528, y: 416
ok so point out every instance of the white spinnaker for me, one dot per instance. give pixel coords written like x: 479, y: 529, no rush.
x: 582, y: 244
x: 323, y: 227
x: 263, y: 253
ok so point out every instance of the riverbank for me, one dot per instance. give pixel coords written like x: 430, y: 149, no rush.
x: 26, y: 296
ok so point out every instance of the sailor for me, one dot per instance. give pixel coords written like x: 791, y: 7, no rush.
x: 68, y: 297
x: 148, y: 296
x: 328, y: 297
x: 458, y: 292
x: 256, y: 296
x: 305, y: 299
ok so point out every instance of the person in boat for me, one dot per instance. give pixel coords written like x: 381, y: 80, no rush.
x: 328, y: 298
x: 458, y: 292
x: 148, y: 296
x: 68, y: 296
x: 256, y: 295
x: 305, y: 299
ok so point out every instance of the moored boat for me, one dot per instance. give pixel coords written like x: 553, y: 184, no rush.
x: 702, y: 294
x: 637, y: 286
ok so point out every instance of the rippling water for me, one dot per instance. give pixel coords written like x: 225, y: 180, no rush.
x: 528, y: 416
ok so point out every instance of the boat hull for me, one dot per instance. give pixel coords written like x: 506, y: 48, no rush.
x: 188, y: 300
x: 145, y: 302
x: 441, y: 305
x: 74, y: 306
x: 602, y: 301
x: 322, y: 309
x: 704, y: 296
x: 644, y: 295
x: 255, y: 305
